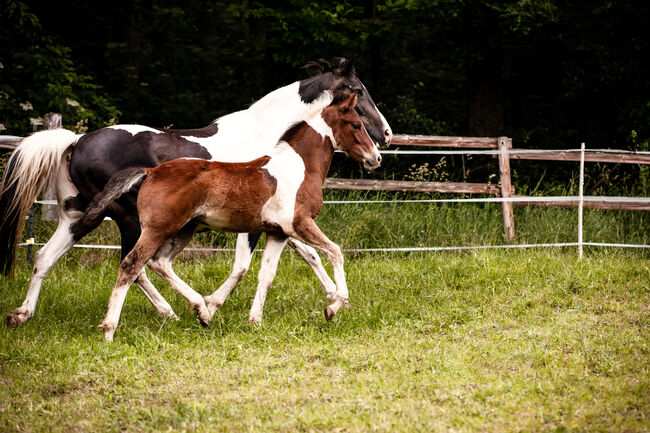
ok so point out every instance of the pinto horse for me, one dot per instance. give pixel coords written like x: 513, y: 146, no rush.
x: 81, y: 165
x: 280, y: 194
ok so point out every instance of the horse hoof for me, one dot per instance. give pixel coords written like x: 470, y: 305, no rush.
x: 12, y: 321
x: 211, y: 306
x: 15, y: 319
x: 329, y: 313
x: 109, y: 330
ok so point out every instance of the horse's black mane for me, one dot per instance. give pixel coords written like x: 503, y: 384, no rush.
x: 322, y: 66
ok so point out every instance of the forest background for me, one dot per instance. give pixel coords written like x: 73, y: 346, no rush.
x: 548, y: 73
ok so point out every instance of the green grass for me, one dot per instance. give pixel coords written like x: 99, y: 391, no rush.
x: 504, y: 341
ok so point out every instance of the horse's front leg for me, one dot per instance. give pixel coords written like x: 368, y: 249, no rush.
x: 161, y: 263
x: 268, y: 267
x: 307, y: 231
x: 246, y: 243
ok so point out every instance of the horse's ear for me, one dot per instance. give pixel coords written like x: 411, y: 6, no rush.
x: 345, y: 68
x: 348, y: 104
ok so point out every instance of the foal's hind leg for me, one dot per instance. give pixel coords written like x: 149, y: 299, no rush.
x: 129, y: 227
x: 161, y: 263
x: 130, y: 268
x: 246, y: 243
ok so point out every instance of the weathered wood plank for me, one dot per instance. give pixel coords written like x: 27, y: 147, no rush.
x: 506, y: 188
x: 402, y: 185
x: 9, y: 142
x: 604, y: 205
x: 439, y: 141
x: 590, y: 156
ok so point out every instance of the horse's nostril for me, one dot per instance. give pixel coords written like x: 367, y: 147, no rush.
x: 379, y: 159
x: 387, y: 133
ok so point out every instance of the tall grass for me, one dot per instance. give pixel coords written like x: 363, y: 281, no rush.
x: 511, y: 341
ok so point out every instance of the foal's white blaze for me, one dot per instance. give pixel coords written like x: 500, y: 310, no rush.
x: 288, y: 168
x: 135, y: 129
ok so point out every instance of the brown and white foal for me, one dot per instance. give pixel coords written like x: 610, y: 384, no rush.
x: 280, y: 194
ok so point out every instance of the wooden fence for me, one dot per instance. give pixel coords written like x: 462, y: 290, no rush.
x: 504, y: 189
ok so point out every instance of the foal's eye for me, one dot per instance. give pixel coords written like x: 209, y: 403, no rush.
x: 356, y: 126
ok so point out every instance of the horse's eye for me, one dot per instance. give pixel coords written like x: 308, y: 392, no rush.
x: 356, y: 126
x: 358, y: 91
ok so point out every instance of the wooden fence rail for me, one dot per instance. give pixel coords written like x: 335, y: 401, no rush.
x: 504, y: 189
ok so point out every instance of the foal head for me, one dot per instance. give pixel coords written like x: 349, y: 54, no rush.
x: 350, y: 135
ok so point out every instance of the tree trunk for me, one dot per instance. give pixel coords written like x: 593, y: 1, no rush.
x: 486, y: 110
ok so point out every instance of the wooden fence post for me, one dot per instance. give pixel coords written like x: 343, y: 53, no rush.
x: 50, y: 213
x: 505, y: 144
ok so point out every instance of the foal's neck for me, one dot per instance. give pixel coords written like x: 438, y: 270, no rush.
x: 316, y: 150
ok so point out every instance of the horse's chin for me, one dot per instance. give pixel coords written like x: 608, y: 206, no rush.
x: 370, y: 167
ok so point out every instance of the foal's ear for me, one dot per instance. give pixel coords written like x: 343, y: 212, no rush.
x: 348, y: 104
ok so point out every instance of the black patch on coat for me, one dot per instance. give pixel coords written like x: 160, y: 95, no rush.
x: 253, y: 239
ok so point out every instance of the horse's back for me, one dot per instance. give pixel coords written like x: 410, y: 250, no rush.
x: 100, y: 154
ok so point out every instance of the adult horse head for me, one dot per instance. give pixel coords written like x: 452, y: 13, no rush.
x: 342, y: 81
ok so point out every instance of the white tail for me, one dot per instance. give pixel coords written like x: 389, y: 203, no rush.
x: 34, y: 161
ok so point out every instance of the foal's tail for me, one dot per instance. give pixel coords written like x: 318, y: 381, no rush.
x: 35, y: 160
x: 122, y: 182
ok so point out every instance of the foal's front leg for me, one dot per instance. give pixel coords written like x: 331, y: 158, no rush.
x: 307, y: 231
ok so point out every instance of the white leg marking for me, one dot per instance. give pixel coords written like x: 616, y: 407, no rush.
x: 163, y: 267
x: 272, y: 252
x: 243, y: 256
x: 310, y: 256
x: 160, y: 304
x: 59, y: 244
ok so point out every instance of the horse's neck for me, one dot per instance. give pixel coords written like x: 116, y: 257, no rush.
x: 251, y: 133
x: 283, y: 107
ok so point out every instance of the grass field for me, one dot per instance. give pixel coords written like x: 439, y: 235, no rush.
x: 504, y: 341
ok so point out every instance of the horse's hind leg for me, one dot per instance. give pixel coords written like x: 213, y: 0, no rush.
x: 59, y: 244
x: 161, y: 263
x: 246, y: 243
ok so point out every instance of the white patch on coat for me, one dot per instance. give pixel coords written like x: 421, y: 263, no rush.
x: 135, y: 129
x: 288, y: 168
x: 248, y: 134
x: 319, y: 125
